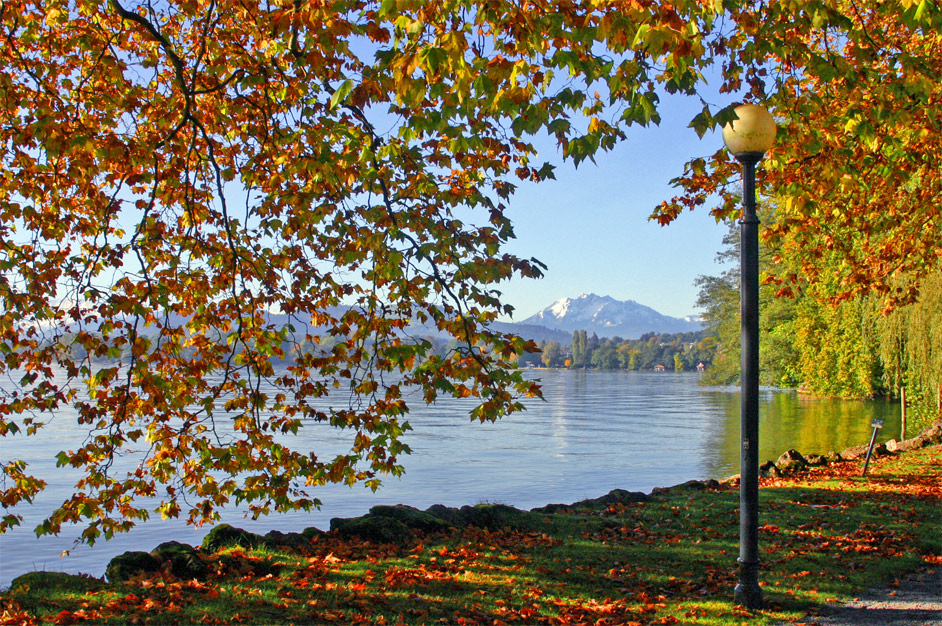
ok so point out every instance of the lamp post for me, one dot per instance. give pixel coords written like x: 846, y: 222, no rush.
x: 748, y: 138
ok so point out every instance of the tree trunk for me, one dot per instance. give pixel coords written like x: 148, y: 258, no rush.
x: 902, y: 402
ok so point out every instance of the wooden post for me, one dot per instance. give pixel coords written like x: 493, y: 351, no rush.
x: 902, y: 402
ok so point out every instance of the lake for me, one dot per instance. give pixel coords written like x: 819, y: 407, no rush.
x: 596, y: 431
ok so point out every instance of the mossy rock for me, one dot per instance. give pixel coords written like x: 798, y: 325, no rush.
x: 769, y: 470
x: 932, y: 435
x: 816, y: 460
x: 372, y: 528
x: 496, y: 517
x: 552, y: 509
x: 857, y: 452
x: 229, y: 564
x: 688, y: 486
x: 791, y: 461
x: 312, y: 533
x: 448, y: 514
x: 279, y: 540
x: 130, y: 564
x: 182, y: 560
x: 412, y: 517
x: 226, y: 536
x: 58, y: 581
x: 615, y: 496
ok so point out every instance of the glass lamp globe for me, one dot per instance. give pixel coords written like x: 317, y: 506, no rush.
x: 752, y: 134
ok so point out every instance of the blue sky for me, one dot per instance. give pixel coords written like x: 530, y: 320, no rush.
x: 591, y: 228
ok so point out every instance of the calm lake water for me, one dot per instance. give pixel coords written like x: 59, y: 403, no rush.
x: 596, y: 431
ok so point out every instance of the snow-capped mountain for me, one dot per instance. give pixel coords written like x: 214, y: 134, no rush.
x: 609, y: 317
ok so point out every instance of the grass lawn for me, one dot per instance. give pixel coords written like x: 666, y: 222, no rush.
x: 826, y: 535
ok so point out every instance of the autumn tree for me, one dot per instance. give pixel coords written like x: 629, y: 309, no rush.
x: 551, y: 356
x: 194, y: 194
x: 218, y: 220
x: 854, y: 87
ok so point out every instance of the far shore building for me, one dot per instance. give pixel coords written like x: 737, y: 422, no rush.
x: 660, y: 368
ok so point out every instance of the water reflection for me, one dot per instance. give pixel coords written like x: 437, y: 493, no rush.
x: 788, y: 419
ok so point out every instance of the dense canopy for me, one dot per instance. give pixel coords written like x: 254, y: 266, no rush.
x: 856, y: 171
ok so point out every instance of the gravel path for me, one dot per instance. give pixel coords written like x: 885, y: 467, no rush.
x: 916, y: 602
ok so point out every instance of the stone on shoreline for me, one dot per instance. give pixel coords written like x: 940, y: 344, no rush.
x: 413, y: 518
x: 292, y: 541
x: 225, y: 536
x: 312, y: 533
x: 690, y: 485
x: 398, y: 524
x: 390, y: 524
x: 833, y: 457
x: 859, y: 452
x: 791, y: 461
x: 769, y: 470
x: 128, y: 565
x: 182, y: 560
x: 372, y: 529
x: 816, y: 460
x: 615, y: 496
x: 494, y: 517
x: 447, y: 514
x: 48, y: 581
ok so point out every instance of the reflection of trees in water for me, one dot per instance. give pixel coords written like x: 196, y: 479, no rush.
x: 788, y: 419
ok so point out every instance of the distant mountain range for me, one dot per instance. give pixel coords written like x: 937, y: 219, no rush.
x: 607, y: 317
x: 533, y: 332
x: 602, y: 315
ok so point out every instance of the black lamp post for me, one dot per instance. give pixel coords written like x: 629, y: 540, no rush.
x: 748, y: 138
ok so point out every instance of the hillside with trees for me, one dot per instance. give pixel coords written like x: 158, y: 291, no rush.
x: 673, y: 351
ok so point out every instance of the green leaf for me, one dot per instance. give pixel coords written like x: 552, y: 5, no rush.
x: 702, y: 121
x: 342, y: 92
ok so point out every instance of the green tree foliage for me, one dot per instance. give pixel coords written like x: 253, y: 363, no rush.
x: 719, y: 300
x: 834, y: 355
x: 651, y: 349
x: 552, y: 356
x: 910, y: 349
x: 827, y: 345
x: 579, y: 355
x: 604, y: 356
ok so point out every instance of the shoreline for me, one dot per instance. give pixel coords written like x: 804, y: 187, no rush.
x: 667, y: 557
x: 581, y: 443
x: 393, y: 523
